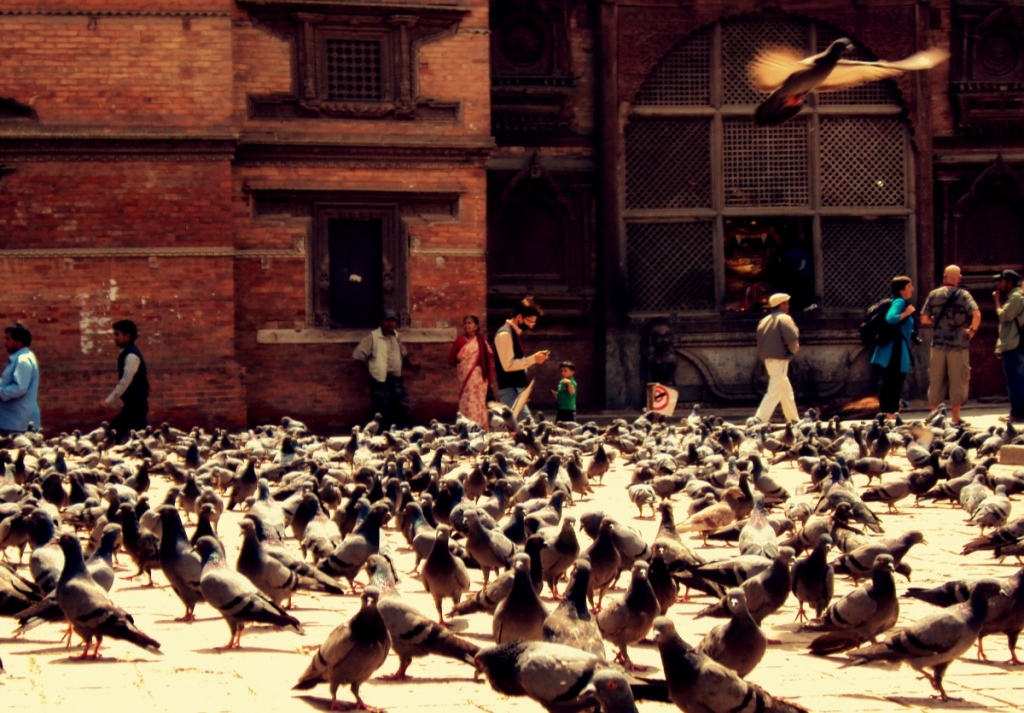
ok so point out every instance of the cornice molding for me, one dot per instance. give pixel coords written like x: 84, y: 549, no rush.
x: 116, y: 13
x: 147, y: 253
x: 263, y: 150
x: 409, y: 335
x: 81, y: 146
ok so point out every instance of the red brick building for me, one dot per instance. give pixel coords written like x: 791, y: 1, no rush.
x: 251, y: 180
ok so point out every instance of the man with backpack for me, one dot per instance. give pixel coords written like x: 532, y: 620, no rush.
x: 955, y: 316
x: 1009, y: 345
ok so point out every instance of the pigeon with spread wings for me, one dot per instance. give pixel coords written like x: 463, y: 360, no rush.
x: 790, y: 77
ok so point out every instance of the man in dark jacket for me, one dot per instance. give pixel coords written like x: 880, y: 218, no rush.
x: 511, y: 363
x: 133, y: 385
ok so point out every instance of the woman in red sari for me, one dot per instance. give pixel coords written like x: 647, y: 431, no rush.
x: 472, y: 356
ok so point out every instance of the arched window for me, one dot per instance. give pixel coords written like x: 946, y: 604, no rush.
x: 720, y: 213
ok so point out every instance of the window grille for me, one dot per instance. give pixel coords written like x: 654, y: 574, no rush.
x: 741, y: 40
x: 863, y: 161
x: 683, y: 77
x: 668, y: 163
x: 827, y: 170
x: 766, y: 166
x: 860, y: 257
x: 354, y: 70
x: 670, y: 266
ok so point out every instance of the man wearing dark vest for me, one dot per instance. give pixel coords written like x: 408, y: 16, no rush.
x: 510, y: 366
x: 133, y: 387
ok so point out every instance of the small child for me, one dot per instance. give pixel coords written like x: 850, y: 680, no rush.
x: 566, y: 393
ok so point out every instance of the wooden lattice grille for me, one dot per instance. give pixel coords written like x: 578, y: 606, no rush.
x: 690, y: 171
x: 354, y: 70
x: 683, y: 77
x: 860, y: 257
x: 863, y: 161
x: 766, y: 166
x: 672, y: 265
x: 669, y: 163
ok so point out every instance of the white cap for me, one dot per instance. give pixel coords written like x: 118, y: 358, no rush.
x: 777, y: 299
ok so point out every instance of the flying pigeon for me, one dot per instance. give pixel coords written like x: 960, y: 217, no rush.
x: 790, y: 78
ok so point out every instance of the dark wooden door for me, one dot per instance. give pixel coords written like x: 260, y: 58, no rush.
x: 355, y: 252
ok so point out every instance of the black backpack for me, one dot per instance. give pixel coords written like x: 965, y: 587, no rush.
x: 874, y: 330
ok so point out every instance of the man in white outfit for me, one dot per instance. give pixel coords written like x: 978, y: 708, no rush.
x: 778, y: 340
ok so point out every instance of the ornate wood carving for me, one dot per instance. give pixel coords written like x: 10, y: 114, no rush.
x: 531, y: 75
x: 987, y: 69
x: 399, y: 29
x: 988, y: 221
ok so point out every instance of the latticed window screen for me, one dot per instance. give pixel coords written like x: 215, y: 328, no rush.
x: 673, y: 266
x: 741, y: 41
x: 863, y: 161
x: 354, y: 71
x: 669, y: 163
x: 860, y: 257
x: 682, y: 77
x: 820, y: 162
x: 766, y: 166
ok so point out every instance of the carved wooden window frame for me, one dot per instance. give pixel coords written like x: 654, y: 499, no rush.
x: 393, y: 260
x: 400, y: 28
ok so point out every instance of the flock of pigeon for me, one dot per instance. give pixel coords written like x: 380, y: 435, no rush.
x: 489, y: 522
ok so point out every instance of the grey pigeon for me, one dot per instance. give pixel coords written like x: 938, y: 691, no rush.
x: 758, y: 536
x: 698, y: 684
x: 790, y: 77
x: 551, y: 674
x: 739, y: 643
x: 412, y: 634
x: 628, y: 620
x: 521, y: 614
x: 349, y: 558
x: 860, y: 562
x: 491, y: 549
x: 444, y: 575
x: 571, y: 623
x: 559, y: 552
x: 612, y: 692
x: 813, y: 579
x: 936, y: 640
x: 89, y: 609
x: 270, y: 575
x: 488, y: 597
x: 993, y: 511
x: 766, y: 592
x: 861, y: 615
x: 181, y: 564
x: 352, y: 652
x: 604, y: 560
x: 235, y: 597
x: 142, y: 546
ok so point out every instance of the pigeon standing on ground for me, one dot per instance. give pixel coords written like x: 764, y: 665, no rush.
x: 570, y: 623
x: 444, y: 575
x: 521, y: 614
x: 180, y: 562
x: 861, y: 615
x: 235, y: 597
x: 352, y: 652
x: 739, y: 643
x: 790, y: 78
x: 626, y: 621
x: 937, y: 640
x: 698, y: 684
x: 87, y: 607
x: 412, y: 634
x: 813, y: 579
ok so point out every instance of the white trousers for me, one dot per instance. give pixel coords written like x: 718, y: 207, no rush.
x: 779, y: 389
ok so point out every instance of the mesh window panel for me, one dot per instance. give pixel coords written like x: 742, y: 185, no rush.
x: 766, y: 166
x: 862, y: 161
x: 860, y: 258
x: 668, y: 163
x: 682, y: 77
x: 741, y: 41
x: 354, y: 70
x: 671, y: 266
x: 880, y: 92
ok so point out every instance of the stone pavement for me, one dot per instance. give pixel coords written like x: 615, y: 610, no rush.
x: 194, y: 675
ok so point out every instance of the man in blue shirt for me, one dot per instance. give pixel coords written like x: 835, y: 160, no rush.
x: 19, y: 383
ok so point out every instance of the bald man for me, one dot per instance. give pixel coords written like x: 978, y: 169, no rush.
x: 954, y: 314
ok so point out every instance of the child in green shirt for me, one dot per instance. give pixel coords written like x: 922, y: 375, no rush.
x: 566, y: 393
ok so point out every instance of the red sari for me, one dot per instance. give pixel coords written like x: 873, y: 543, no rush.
x: 472, y: 358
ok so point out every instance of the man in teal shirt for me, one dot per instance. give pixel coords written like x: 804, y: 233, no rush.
x: 19, y: 383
